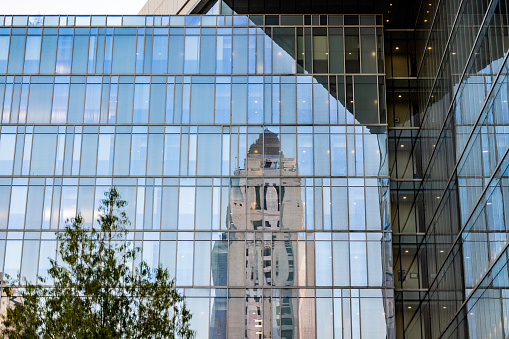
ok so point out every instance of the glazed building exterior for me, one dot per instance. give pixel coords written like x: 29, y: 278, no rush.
x: 256, y: 143
x: 252, y: 150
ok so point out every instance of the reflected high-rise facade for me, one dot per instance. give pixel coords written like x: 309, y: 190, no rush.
x: 252, y: 151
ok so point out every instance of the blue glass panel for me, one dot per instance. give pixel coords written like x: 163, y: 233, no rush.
x: 207, y: 54
x: 224, y: 54
x: 288, y: 103
x: 64, y: 54
x: 323, y: 264
x: 304, y: 103
x: 305, y: 154
x: 239, y: 103
x: 155, y: 154
x: 171, y: 154
x: 105, y: 154
x: 125, y: 103
x: 92, y: 50
x: 185, y: 263
x: 176, y: 56
x: 4, y: 52
x: 159, y: 54
x: 191, y: 55
x: 124, y: 53
x: 356, y: 208
x: 32, y: 54
x: 202, y: 103
x: 7, y: 144
x: 88, y: 155
x: 48, y: 54
x: 76, y: 103
x: 320, y: 104
x: 186, y: 209
x: 223, y: 98
x: 39, y: 103
x: 80, y: 54
x: 157, y: 104
x: 358, y: 263
x: 209, y: 154
x: 255, y: 104
x: 321, y: 153
x: 138, y: 154
x: 147, y: 58
x: 16, y: 54
x: 239, y: 54
x: 59, y: 108
x: 92, y: 103
x: 141, y: 103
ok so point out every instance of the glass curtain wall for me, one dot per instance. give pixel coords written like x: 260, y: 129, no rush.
x: 252, y: 151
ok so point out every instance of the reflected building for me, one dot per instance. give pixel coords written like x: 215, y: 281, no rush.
x: 265, y: 208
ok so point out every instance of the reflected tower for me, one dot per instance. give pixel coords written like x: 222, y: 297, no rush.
x: 265, y: 212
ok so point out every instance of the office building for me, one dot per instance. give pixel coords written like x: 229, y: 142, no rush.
x: 328, y: 169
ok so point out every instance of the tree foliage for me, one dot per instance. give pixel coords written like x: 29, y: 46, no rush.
x: 94, y: 291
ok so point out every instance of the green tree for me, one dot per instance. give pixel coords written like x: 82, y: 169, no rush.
x: 95, y: 292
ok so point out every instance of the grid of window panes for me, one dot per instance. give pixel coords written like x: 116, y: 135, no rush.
x: 461, y: 145
x: 252, y: 153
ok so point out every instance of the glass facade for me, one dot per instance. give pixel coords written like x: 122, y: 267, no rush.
x: 448, y: 148
x: 252, y: 151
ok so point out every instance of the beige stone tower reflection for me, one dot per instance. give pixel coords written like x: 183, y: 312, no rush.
x: 266, y: 214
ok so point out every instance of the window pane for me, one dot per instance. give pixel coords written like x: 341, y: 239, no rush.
x: 43, y: 154
x: 283, y: 51
x: 191, y: 56
x: 64, y: 53
x: 202, y: 103
x: 16, y: 53
x: 159, y: 54
x: 32, y: 53
x: 124, y: 52
x: 209, y: 154
x: 176, y: 57
x: 157, y: 105
x: 207, y: 54
x: 224, y: 54
x: 336, y: 54
x: 80, y: 54
x: 222, y: 113
x: 59, y: 108
x: 358, y: 263
x: 320, y: 51
x: 239, y: 56
x: 141, y: 104
x: 4, y: 50
x: 368, y: 50
x: 366, y: 100
x: 352, y: 50
x: 7, y: 143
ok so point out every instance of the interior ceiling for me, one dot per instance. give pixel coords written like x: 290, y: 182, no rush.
x: 401, y: 13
